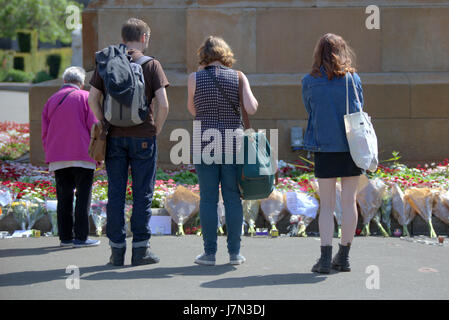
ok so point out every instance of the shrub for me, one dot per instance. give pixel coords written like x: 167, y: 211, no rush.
x: 24, y: 41
x: 17, y: 76
x: 42, y: 76
x: 3, y: 73
x: 54, y: 64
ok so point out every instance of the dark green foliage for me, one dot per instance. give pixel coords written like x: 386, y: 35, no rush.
x: 54, y: 64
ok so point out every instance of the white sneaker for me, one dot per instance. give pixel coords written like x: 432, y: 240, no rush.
x: 236, y: 259
x: 205, y: 259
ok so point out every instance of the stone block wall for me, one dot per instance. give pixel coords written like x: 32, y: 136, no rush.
x: 404, y: 65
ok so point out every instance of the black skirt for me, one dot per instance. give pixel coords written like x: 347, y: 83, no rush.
x: 335, y: 165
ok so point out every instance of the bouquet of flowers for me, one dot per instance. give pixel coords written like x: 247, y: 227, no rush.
x: 51, y: 206
x: 401, y: 209
x: 385, y: 209
x: 421, y: 200
x: 272, y: 208
x: 181, y: 205
x: 20, y: 212
x: 128, y: 213
x: 250, y: 213
x: 441, y: 205
x: 5, y: 201
x: 98, y: 212
x: 303, y: 209
x: 35, y: 211
x: 370, y: 201
x: 221, y: 215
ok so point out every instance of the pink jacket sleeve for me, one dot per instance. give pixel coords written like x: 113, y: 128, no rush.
x: 45, y: 126
x: 90, y: 116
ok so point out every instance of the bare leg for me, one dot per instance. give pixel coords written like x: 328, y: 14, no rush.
x: 349, y: 207
x: 327, y: 207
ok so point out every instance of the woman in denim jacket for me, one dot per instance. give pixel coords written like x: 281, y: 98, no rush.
x: 324, y: 96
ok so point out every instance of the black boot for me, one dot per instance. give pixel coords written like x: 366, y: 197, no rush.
x: 341, y: 260
x: 324, y: 263
x: 117, y: 256
x: 143, y: 256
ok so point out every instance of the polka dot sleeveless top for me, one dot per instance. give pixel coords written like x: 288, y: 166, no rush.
x: 215, y: 112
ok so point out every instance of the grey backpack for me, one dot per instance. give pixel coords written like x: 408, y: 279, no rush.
x: 125, y: 103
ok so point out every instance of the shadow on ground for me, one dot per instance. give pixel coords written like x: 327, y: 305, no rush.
x: 30, y: 251
x: 266, y: 280
x: 109, y: 272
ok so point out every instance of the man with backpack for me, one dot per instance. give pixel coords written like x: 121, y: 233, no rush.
x: 122, y: 88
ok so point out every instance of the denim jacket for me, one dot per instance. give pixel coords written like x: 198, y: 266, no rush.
x: 325, y: 102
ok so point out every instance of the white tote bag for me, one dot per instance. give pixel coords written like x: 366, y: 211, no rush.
x: 361, y: 135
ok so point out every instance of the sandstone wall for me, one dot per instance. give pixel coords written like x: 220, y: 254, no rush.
x: 404, y: 66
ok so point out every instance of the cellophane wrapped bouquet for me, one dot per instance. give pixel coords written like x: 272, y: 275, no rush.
x: 272, y: 208
x: 386, y: 209
x: 98, y: 212
x: 401, y: 209
x: 370, y: 201
x: 51, y: 206
x: 36, y: 210
x: 128, y: 214
x: 421, y: 200
x: 441, y: 205
x: 303, y: 209
x: 6, y: 198
x: 20, y: 212
x: 221, y: 215
x: 250, y: 213
x: 182, y: 204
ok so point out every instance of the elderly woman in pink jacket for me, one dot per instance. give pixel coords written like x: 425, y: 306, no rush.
x: 66, y: 123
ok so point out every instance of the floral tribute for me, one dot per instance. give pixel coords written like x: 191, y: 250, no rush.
x: 395, y: 191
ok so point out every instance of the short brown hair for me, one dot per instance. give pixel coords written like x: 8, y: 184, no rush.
x: 133, y: 29
x: 215, y: 49
x: 335, y: 55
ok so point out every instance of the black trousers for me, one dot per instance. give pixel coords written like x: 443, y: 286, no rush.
x: 69, y: 182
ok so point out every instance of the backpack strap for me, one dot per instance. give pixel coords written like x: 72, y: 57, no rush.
x: 143, y: 59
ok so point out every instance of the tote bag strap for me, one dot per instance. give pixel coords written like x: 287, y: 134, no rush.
x: 355, y: 92
x: 60, y: 102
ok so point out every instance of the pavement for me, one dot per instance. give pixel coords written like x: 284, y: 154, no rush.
x: 276, y: 269
x: 14, y: 105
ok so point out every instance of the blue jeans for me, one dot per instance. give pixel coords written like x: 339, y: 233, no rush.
x: 141, y: 155
x: 210, y: 176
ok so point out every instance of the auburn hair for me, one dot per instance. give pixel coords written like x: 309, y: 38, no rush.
x: 335, y: 55
x: 215, y: 49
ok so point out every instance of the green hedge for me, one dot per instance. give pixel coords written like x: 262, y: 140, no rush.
x: 17, y: 76
x: 42, y: 76
x: 54, y: 64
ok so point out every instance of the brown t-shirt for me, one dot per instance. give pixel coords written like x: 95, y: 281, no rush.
x: 154, y: 79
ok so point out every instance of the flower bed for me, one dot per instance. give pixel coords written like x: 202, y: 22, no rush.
x: 14, y: 140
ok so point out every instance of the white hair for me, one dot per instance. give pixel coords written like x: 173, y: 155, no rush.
x: 75, y: 75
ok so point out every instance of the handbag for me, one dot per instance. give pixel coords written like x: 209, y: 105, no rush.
x: 97, y: 145
x: 256, y: 178
x: 360, y: 133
